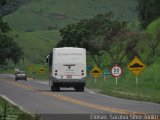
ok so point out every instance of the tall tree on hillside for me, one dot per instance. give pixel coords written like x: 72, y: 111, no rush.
x: 96, y: 35
x: 8, y: 48
x: 151, y: 44
x: 123, y: 44
x: 149, y: 10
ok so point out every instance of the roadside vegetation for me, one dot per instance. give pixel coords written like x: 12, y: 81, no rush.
x: 147, y: 89
x: 12, y: 112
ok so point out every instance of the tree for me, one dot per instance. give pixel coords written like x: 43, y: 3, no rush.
x: 152, y: 41
x: 16, y: 53
x: 8, y: 48
x: 123, y: 45
x: 149, y: 10
x: 10, y: 6
x: 73, y: 34
x: 93, y: 34
x: 4, y: 27
x: 3, y: 2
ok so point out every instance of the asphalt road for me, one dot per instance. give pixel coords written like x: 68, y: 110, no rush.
x: 36, y: 97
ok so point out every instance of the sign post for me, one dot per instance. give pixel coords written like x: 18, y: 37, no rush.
x: 136, y: 66
x: 136, y: 80
x: 96, y: 72
x: 116, y: 81
x: 105, y: 73
x: 116, y: 72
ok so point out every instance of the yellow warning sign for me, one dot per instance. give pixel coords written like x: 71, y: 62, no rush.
x: 96, y: 72
x: 31, y: 67
x: 41, y: 70
x: 136, y: 66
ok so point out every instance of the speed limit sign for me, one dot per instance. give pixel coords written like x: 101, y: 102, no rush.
x: 116, y: 71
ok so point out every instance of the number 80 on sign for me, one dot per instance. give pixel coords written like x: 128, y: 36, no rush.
x: 116, y: 71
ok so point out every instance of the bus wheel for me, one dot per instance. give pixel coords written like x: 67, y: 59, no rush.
x: 79, y: 88
x: 53, y: 88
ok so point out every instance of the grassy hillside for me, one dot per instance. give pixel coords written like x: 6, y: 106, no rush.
x: 36, y: 23
x: 47, y: 14
x: 36, y: 45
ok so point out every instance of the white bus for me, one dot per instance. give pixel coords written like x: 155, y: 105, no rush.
x: 67, y: 68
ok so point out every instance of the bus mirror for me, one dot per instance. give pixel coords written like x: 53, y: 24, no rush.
x: 47, y: 58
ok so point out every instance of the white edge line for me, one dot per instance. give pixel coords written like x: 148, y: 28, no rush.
x: 13, y: 103
x: 11, y: 75
x: 41, y: 82
x: 90, y: 91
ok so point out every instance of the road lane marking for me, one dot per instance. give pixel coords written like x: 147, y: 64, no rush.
x: 92, y: 92
x: 13, y: 103
x: 114, y: 99
x: 75, y: 101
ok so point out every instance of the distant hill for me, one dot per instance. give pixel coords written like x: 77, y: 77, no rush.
x: 55, y: 14
x: 12, y: 6
x: 35, y: 24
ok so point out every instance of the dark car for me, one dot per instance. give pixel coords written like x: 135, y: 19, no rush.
x: 20, y: 75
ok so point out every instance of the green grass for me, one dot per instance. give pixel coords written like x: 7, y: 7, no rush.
x: 147, y: 89
x: 36, y: 45
x: 40, y: 14
x: 12, y: 112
